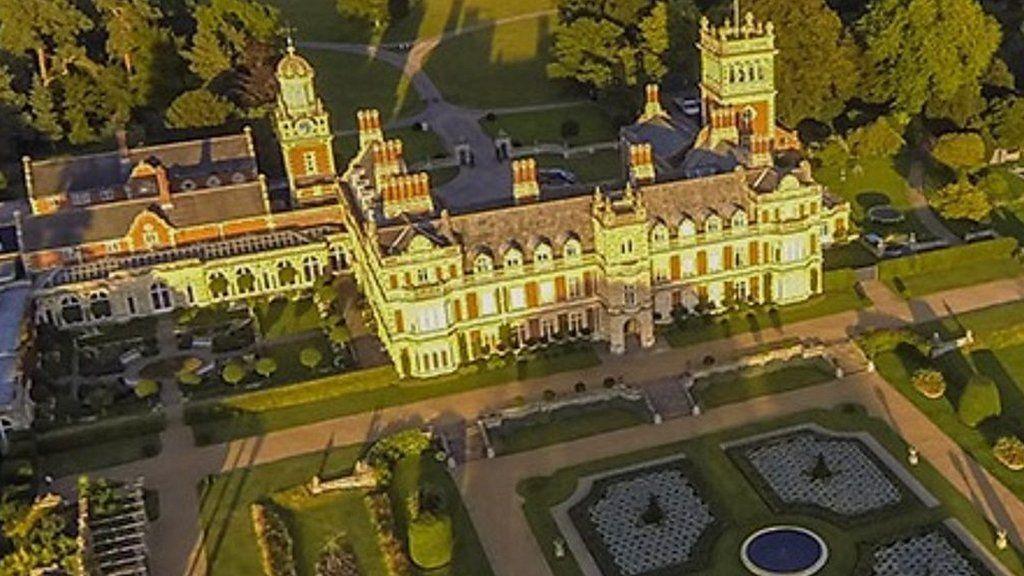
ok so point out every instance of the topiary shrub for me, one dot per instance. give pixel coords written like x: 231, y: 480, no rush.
x: 549, y: 395
x: 311, y: 358
x: 189, y: 379
x: 430, y: 540
x: 232, y: 373
x: 1009, y: 450
x: 580, y: 387
x: 570, y: 129
x: 266, y: 367
x: 979, y: 401
x: 930, y: 383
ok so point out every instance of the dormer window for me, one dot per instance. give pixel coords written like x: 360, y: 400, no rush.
x: 542, y: 254
x: 188, y: 185
x: 739, y: 219
x: 713, y: 224
x: 80, y: 198
x: 660, y: 234
x: 572, y: 248
x: 513, y: 258
x: 483, y: 264
x: 213, y: 181
x: 687, y: 228
x: 237, y: 178
x: 107, y: 194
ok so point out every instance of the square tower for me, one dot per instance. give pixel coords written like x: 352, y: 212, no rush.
x: 303, y: 129
x: 738, y: 83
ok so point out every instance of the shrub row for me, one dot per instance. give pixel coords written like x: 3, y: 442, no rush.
x: 948, y: 258
x: 101, y: 432
x: 274, y: 541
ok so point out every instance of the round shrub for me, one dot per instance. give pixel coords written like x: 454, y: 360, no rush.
x: 570, y: 129
x: 930, y: 383
x: 265, y: 367
x: 147, y: 388
x: 310, y: 357
x: 979, y: 401
x: 580, y: 387
x: 430, y: 540
x: 549, y: 395
x: 232, y: 373
x: 1009, y: 450
x: 189, y: 379
x: 191, y: 364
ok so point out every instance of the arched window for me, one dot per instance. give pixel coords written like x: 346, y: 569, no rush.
x: 160, y: 296
x: 218, y: 285
x: 245, y: 280
x: 572, y: 248
x: 311, y: 268
x: 71, y: 310
x: 338, y: 259
x: 99, y: 305
x: 286, y: 273
x: 483, y: 263
x: 513, y: 258
x: 713, y: 224
x: 213, y: 181
x: 739, y: 219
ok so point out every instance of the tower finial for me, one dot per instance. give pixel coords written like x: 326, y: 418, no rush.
x: 289, y: 40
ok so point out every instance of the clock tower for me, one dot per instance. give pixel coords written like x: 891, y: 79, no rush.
x: 303, y: 128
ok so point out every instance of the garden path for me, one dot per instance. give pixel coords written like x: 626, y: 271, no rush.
x: 176, y: 538
x: 920, y: 208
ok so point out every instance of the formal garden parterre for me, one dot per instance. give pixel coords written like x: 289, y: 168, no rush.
x: 838, y: 474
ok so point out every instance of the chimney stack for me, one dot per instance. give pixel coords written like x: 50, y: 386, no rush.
x: 525, y: 187
x: 641, y: 163
x: 652, y: 103
x: 370, y: 130
x: 407, y: 194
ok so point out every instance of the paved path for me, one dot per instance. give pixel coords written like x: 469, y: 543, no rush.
x: 176, y: 537
x: 920, y: 208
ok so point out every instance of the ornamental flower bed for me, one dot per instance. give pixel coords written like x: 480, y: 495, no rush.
x: 930, y: 383
x: 1009, y: 450
x: 274, y: 541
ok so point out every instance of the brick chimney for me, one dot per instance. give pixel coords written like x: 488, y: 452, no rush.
x: 525, y: 187
x: 387, y: 160
x: 652, y: 103
x: 641, y: 163
x: 407, y: 194
x: 370, y: 130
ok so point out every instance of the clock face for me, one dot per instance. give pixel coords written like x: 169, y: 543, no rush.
x: 304, y: 127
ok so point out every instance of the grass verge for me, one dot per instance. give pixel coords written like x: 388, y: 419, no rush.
x: 742, y: 385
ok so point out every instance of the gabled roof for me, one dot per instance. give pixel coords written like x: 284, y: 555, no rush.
x: 102, y: 222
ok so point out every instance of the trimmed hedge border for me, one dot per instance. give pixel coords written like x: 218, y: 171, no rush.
x: 274, y: 541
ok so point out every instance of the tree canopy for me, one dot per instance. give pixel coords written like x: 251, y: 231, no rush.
x: 962, y: 200
x: 960, y: 151
x: 606, y: 44
x: 817, y: 68
x: 926, y: 50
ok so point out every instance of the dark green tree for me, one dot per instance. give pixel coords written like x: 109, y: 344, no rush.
x: 817, y: 68
x: 613, y: 43
x: 45, y: 119
x: 921, y: 50
x: 48, y: 29
x: 224, y: 29
x: 199, y: 108
x: 375, y: 12
x: 1005, y: 120
x: 133, y: 29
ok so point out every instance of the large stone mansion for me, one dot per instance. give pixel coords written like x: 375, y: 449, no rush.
x: 703, y: 221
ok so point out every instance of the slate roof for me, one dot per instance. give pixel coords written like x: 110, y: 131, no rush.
x: 102, y: 222
x: 193, y: 159
x: 14, y: 301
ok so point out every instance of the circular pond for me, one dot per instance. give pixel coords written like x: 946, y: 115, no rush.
x: 784, y: 551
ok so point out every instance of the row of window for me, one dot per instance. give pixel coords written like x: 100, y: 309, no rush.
x: 513, y: 257
x: 74, y: 310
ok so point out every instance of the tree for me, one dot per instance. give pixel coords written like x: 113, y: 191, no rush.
x: 930, y: 383
x: 224, y: 29
x: 199, y: 108
x: 1009, y: 451
x: 979, y: 401
x: 1006, y: 122
x: 44, y: 114
x: 817, y: 69
x: 962, y: 200
x: 878, y: 139
x: 610, y: 44
x: 257, y: 80
x: 961, y: 151
x: 918, y: 50
x: 310, y: 358
x: 132, y: 28
x: 233, y: 373
x: 266, y: 367
x: 376, y: 12
x: 47, y: 28
x: 146, y: 388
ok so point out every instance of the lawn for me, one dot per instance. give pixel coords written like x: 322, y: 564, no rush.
x: 588, y: 168
x: 568, y: 424
x: 499, y: 67
x: 840, y: 295
x: 742, y: 510
x: 546, y: 127
x: 319, y: 19
x: 998, y: 354
x: 314, y: 520
x: 348, y: 83
x: 224, y: 419
x: 741, y: 385
x: 286, y: 316
x: 417, y: 146
x: 848, y: 255
x: 953, y: 267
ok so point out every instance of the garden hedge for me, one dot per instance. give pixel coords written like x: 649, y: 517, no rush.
x: 947, y: 259
x: 979, y: 401
x: 430, y: 540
